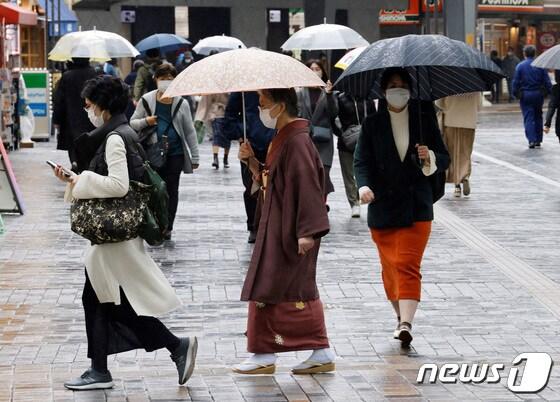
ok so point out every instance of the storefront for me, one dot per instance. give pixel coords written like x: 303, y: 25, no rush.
x: 516, y: 23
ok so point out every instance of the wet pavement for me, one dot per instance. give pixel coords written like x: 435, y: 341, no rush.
x: 491, y: 288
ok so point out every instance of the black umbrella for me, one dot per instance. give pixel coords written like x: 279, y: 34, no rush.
x: 438, y: 67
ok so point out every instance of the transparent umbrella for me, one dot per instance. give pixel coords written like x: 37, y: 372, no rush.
x: 218, y: 43
x: 95, y: 45
x: 325, y: 37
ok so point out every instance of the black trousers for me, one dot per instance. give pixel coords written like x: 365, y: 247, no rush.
x: 114, y: 329
x: 171, y: 174
x: 250, y: 200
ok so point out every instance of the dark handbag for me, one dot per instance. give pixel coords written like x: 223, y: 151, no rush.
x: 351, y: 134
x: 111, y: 220
x: 321, y: 134
x: 155, y: 221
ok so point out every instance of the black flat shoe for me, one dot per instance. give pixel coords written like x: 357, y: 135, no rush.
x: 91, y: 379
x: 531, y: 145
x: 216, y: 163
x: 404, y: 334
x: 252, y: 237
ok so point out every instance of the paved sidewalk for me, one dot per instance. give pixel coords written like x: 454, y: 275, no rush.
x: 491, y: 288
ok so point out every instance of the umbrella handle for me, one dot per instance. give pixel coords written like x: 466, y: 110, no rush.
x: 244, y: 117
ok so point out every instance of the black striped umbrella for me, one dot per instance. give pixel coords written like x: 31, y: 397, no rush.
x: 438, y: 67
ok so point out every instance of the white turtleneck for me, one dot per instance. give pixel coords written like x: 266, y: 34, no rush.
x: 401, y: 135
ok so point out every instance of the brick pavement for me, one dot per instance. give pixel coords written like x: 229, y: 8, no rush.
x: 473, y: 310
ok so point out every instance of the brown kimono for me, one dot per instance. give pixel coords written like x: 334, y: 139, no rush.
x: 285, y: 313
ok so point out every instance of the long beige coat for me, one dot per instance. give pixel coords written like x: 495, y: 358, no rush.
x: 126, y: 264
x: 211, y: 107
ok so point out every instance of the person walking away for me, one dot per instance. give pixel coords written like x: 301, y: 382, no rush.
x: 351, y: 113
x: 497, y: 86
x: 175, y: 134
x: 508, y: 67
x: 530, y: 85
x: 460, y: 113
x: 553, y: 106
x: 285, y: 311
x: 69, y: 116
x: 210, y: 108
x: 312, y: 105
x: 124, y: 288
x: 145, y: 76
x: 111, y: 68
x: 258, y: 136
x: 392, y: 171
x: 130, y: 79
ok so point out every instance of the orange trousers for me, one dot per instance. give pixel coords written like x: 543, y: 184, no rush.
x: 401, y: 251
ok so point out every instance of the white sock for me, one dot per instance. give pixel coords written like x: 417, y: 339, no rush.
x: 408, y: 309
x: 322, y: 356
x: 263, y: 359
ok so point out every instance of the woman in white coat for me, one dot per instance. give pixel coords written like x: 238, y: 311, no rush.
x: 124, y: 287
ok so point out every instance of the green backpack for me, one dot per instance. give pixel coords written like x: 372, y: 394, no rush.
x: 156, y: 219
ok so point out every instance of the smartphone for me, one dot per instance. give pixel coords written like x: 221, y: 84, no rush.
x: 66, y: 172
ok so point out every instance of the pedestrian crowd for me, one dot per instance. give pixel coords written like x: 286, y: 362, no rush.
x: 395, y: 154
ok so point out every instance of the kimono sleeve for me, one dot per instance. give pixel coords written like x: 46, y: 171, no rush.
x: 304, y: 184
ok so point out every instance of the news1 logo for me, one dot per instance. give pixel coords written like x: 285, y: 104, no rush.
x: 534, y: 378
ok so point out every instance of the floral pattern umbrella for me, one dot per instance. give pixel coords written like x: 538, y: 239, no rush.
x: 242, y: 70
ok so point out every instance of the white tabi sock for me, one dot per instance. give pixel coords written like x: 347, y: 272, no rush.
x: 322, y: 356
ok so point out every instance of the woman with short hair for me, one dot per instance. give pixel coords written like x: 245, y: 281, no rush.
x: 175, y: 134
x: 124, y: 288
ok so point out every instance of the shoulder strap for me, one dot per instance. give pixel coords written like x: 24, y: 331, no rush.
x: 146, y: 106
x: 173, y: 116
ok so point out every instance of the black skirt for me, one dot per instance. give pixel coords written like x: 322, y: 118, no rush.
x: 114, y: 329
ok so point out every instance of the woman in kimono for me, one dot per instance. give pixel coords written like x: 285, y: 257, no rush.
x: 285, y: 312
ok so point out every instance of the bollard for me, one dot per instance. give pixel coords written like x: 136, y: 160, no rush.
x: 1, y: 225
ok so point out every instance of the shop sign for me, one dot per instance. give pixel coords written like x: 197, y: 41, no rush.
x: 37, y: 92
x: 274, y: 15
x: 546, y: 40
x: 37, y: 83
x: 432, y: 4
x: 409, y: 16
x: 511, y: 5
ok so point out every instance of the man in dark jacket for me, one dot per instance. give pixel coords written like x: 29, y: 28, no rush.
x: 69, y: 116
x: 258, y: 136
x: 508, y: 67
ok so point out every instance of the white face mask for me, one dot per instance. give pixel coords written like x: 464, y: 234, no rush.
x: 267, y: 120
x: 319, y: 73
x: 397, y: 97
x: 96, y: 120
x: 162, y: 85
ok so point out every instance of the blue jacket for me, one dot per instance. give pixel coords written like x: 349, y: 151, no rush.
x: 529, y: 78
x: 257, y: 134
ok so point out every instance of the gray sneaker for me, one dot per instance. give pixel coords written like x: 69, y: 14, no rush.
x: 184, y: 358
x: 91, y: 379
